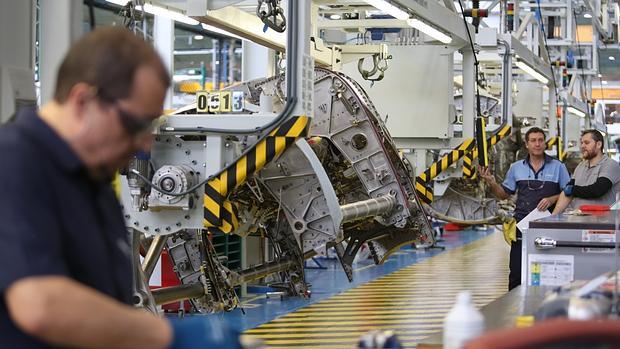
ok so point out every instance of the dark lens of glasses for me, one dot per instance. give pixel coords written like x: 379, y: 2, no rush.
x: 133, y: 124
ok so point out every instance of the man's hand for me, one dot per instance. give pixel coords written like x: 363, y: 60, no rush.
x: 486, y: 175
x: 544, y: 204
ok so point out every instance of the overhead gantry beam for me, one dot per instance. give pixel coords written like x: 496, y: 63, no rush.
x: 440, y: 17
x: 245, y: 25
x: 524, y: 54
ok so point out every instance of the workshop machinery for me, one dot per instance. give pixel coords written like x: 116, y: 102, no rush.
x: 308, y: 164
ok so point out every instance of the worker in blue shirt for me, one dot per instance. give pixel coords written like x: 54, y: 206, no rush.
x: 66, y: 277
x: 537, y: 180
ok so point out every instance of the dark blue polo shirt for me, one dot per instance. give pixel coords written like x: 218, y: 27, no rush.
x: 55, y: 220
x: 532, y: 186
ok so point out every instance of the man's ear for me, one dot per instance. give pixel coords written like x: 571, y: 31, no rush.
x: 80, y: 94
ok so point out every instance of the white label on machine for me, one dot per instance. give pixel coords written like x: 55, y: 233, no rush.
x: 202, y: 101
x: 237, y: 101
x: 550, y: 270
x: 598, y: 236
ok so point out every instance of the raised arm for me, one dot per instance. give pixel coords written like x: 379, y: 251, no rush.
x: 496, y: 188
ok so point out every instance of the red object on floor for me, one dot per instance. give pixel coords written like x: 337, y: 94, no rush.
x: 452, y: 227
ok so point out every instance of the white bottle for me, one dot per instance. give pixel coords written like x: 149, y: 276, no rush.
x: 463, y: 323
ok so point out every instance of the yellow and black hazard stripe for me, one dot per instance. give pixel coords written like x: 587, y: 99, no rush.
x: 557, y: 141
x: 551, y: 142
x: 481, y: 142
x: 422, y: 183
x: 561, y: 152
x: 424, y: 190
x: 499, y: 135
x: 219, y: 213
x: 469, y: 171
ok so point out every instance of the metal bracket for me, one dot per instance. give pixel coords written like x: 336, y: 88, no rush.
x: 379, y: 65
x: 270, y: 12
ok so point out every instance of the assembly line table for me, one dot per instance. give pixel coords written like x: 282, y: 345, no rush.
x: 502, y: 312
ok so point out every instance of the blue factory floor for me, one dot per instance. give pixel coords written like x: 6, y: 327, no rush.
x: 410, y: 294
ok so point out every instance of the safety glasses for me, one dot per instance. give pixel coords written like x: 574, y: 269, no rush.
x: 134, y: 125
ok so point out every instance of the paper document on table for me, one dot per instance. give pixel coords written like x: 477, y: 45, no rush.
x: 524, y: 224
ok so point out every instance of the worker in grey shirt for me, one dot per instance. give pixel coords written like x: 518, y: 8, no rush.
x: 596, y: 179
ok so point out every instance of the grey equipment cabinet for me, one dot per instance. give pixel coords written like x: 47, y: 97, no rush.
x: 562, y: 248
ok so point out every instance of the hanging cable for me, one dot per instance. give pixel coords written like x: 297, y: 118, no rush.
x: 476, y: 64
x: 91, y: 14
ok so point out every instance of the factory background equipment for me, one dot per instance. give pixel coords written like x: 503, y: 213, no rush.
x: 312, y: 128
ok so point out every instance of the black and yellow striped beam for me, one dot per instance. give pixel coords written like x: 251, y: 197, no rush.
x: 499, y: 135
x: 412, y: 301
x: 219, y: 213
x: 469, y: 170
x: 423, y: 181
x: 556, y: 141
x: 560, y: 152
x: 424, y: 190
x: 481, y: 142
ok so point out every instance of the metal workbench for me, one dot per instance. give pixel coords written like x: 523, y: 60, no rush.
x: 502, y: 312
x: 563, y: 248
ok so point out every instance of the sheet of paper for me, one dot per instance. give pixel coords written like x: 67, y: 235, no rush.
x: 524, y: 224
x: 550, y: 269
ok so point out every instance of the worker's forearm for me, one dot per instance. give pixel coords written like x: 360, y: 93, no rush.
x: 499, y: 191
x: 553, y: 199
x: 63, y: 312
x: 562, y: 203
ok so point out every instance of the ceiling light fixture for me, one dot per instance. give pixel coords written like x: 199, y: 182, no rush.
x: 531, y: 71
x: 576, y: 111
x: 119, y: 2
x: 587, y: 15
x: 335, y: 16
x: 428, y: 30
x: 219, y: 31
x: 160, y: 11
x: 612, y: 58
x: 388, y: 8
x: 198, y: 37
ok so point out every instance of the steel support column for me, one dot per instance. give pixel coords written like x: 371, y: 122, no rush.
x: 61, y: 25
x: 163, y: 38
x: 469, y: 93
